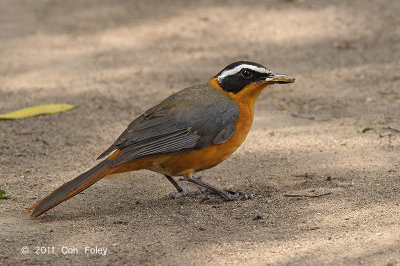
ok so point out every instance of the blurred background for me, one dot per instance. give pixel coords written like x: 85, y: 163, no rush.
x: 336, y: 49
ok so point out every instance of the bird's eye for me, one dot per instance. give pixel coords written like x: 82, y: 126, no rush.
x: 246, y: 73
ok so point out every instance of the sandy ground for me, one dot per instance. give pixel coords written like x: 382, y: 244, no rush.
x: 325, y: 193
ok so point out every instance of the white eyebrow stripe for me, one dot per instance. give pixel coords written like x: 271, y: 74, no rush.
x: 237, y: 69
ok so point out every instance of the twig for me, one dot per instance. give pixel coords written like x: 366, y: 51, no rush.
x: 389, y: 127
x: 385, y: 134
x: 24, y: 133
x: 302, y: 116
x: 306, y: 196
x: 306, y: 175
x: 32, y: 168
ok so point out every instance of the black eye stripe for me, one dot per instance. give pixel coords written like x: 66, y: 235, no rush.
x: 238, y: 75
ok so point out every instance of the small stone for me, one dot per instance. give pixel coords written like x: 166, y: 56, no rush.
x: 258, y: 217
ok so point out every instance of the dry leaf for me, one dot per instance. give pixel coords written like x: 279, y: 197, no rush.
x: 3, y: 195
x: 365, y: 129
x: 37, y: 110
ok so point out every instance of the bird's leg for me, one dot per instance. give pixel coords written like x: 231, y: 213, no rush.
x: 182, y: 191
x: 176, y: 185
x: 224, y: 194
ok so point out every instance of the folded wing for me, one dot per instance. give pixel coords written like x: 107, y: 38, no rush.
x: 191, y: 119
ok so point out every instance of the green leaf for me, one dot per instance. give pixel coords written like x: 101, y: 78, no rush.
x: 3, y: 195
x: 398, y: 101
x: 37, y: 110
x: 365, y: 129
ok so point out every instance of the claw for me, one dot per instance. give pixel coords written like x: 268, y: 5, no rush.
x: 233, y: 196
x: 186, y: 193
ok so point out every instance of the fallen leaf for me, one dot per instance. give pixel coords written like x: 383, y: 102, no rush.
x: 37, y: 110
x: 3, y: 195
x: 365, y: 129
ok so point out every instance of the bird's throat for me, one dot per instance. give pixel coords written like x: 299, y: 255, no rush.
x: 247, y: 96
x: 250, y: 93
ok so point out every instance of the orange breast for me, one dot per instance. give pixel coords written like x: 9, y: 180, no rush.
x: 197, y: 160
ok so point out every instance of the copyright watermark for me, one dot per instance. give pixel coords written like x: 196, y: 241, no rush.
x: 64, y: 250
x: 25, y: 250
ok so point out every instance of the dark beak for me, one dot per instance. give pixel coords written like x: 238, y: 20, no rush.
x: 279, y: 78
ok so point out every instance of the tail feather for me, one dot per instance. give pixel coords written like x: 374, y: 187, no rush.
x: 71, y: 188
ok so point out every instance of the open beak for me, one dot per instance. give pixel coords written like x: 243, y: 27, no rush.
x: 279, y: 78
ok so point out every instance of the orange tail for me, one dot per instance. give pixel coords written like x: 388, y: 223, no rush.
x: 71, y: 188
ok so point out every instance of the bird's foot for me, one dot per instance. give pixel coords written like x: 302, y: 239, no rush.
x: 224, y: 195
x: 232, y: 196
x: 186, y: 193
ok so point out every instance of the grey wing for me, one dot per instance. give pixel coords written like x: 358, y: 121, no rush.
x: 127, y: 132
x: 190, y: 119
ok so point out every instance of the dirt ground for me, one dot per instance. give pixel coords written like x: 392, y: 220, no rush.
x: 325, y: 193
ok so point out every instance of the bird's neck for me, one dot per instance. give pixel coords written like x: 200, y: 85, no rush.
x: 247, y: 96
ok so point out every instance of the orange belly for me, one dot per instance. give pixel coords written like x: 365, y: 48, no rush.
x: 198, y: 160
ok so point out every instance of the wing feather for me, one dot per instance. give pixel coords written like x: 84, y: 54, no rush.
x: 191, y: 119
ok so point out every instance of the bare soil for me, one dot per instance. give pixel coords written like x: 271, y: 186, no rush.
x: 325, y: 193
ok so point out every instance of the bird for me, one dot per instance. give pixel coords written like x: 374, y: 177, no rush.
x: 192, y: 130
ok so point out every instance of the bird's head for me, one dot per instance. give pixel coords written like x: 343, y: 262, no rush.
x: 245, y: 80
